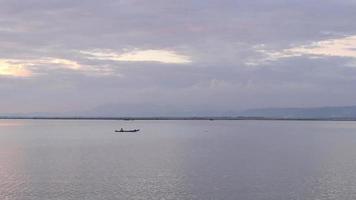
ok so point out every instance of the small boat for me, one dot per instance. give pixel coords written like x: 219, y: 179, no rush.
x: 127, y: 131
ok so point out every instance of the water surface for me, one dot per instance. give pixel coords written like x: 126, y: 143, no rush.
x: 248, y: 160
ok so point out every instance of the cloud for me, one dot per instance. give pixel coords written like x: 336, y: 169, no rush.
x: 65, y: 63
x: 161, y: 56
x: 22, y: 67
x: 344, y: 47
x: 341, y: 47
x: 11, y: 68
x: 25, y: 67
x: 83, y: 54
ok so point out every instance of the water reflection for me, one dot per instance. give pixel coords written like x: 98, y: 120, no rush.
x: 9, y: 123
x: 83, y: 160
x: 178, y: 160
x: 12, y: 181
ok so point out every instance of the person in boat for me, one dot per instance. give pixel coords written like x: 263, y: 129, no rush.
x: 121, y: 129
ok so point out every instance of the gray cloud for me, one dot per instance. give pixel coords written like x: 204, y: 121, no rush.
x: 221, y: 38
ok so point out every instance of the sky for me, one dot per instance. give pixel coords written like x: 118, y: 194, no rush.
x: 175, y: 57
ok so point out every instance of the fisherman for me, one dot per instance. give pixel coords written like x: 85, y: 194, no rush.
x: 122, y: 130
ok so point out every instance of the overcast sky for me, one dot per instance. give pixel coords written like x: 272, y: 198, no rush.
x: 169, y: 56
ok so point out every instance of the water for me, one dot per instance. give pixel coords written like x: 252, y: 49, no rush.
x: 248, y: 160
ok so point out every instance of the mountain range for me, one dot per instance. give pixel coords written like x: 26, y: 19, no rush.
x: 113, y: 111
x: 315, y: 112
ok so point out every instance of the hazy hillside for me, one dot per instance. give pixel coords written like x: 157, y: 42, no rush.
x: 164, y: 111
x: 318, y: 112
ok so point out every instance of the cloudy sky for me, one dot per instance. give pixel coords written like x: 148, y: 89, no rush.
x: 175, y: 56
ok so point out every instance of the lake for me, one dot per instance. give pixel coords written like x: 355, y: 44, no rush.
x: 247, y: 160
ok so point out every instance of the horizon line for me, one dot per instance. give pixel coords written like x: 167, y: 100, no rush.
x: 180, y: 118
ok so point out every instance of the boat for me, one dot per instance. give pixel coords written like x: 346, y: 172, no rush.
x: 127, y: 131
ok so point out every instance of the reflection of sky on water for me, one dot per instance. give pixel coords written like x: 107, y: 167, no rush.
x: 9, y: 123
x: 178, y: 160
x: 88, y: 161
x: 12, y: 178
x: 337, y: 168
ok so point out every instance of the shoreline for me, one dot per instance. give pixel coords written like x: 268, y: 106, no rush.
x: 178, y: 118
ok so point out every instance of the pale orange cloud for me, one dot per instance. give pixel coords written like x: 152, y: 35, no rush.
x: 9, y: 68
x: 162, y: 56
x: 339, y: 47
x: 20, y: 67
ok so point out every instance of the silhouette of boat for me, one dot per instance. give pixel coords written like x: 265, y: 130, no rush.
x: 127, y: 131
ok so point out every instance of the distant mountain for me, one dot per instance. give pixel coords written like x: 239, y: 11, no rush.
x: 168, y: 111
x: 317, y: 112
x: 150, y: 110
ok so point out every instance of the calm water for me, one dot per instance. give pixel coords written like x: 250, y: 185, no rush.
x: 247, y: 160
